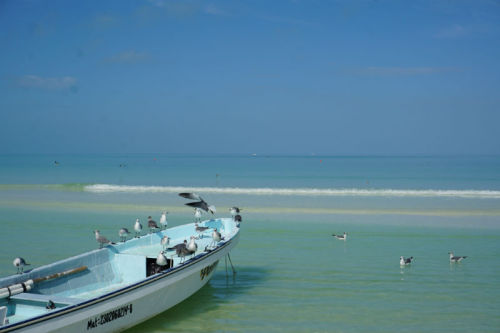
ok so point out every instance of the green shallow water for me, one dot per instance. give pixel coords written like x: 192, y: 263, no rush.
x: 292, y: 275
x: 300, y: 279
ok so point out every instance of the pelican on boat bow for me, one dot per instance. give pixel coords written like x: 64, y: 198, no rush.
x: 116, y: 287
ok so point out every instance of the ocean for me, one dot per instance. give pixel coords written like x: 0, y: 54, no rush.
x: 291, y: 274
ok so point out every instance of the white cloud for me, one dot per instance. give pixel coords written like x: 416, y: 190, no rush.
x: 48, y: 83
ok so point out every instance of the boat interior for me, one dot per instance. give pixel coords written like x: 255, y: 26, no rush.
x: 98, y: 272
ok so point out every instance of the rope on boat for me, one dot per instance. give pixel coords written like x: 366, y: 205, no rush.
x: 28, y: 285
x: 58, y: 275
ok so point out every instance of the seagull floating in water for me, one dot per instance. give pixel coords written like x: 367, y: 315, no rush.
x: 198, y: 204
x: 20, y: 263
x: 341, y: 237
x: 405, y: 261
x: 454, y: 258
x: 101, y: 239
x: 123, y: 233
x: 165, y: 241
x: 197, y: 214
x: 137, y: 228
x: 163, y: 220
x: 152, y: 224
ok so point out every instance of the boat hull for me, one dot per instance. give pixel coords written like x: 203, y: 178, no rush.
x: 133, y: 304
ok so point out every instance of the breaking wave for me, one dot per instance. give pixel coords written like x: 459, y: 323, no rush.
x: 342, y: 192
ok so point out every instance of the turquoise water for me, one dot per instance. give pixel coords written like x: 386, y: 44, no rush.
x: 292, y: 275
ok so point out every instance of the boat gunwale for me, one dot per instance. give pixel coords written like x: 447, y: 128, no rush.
x: 148, y: 280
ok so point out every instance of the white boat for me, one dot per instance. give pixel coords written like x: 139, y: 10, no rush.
x: 113, y: 288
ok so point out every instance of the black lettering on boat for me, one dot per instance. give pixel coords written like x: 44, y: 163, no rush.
x: 207, y: 270
x: 109, y: 316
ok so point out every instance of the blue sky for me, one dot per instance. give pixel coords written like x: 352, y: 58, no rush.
x: 287, y: 77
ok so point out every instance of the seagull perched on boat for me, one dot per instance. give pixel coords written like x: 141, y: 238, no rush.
x: 178, y: 246
x: 198, y: 204
x: 101, y: 239
x: 137, y: 228
x: 341, y: 237
x: 123, y: 233
x: 165, y: 241
x: 50, y: 305
x: 152, y: 224
x: 216, y: 237
x: 197, y: 214
x: 454, y: 258
x: 234, y: 211
x: 20, y: 263
x: 192, y: 246
x: 163, y: 220
x: 405, y: 261
x: 161, y: 260
x: 200, y: 230
x: 181, y: 250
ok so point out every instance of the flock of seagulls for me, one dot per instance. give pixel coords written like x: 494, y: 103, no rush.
x: 189, y: 248
x: 407, y: 261
x: 181, y: 250
x: 199, y: 206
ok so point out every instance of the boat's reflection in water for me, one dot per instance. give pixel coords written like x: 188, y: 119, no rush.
x: 207, y: 307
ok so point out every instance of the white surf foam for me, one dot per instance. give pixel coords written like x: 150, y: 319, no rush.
x: 352, y: 192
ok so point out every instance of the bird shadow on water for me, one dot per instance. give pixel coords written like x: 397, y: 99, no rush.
x: 220, y: 290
